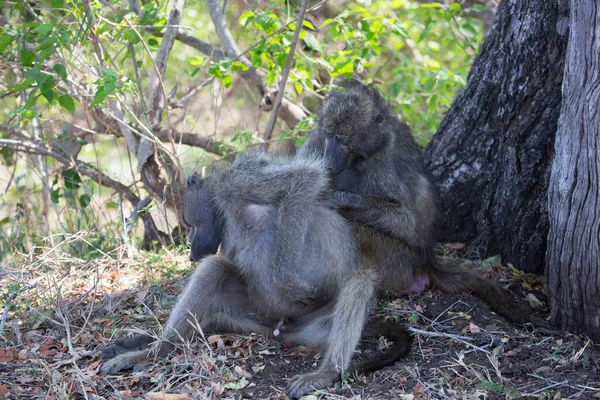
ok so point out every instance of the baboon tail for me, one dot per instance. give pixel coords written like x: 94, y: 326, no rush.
x: 392, y: 330
x: 454, y: 278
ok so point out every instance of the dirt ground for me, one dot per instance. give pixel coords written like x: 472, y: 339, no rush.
x: 64, y: 310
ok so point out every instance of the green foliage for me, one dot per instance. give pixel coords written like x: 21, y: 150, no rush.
x: 65, y: 61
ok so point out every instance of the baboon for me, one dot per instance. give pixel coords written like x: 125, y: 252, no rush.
x: 382, y: 187
x: 289, y: 263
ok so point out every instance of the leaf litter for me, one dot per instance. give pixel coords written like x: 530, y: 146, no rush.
x: 67, y: 310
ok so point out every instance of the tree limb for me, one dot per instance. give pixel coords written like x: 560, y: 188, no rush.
x: 290, y: 113
x: 81, y: 168
x: 194, y: 140
x: 286, y: 72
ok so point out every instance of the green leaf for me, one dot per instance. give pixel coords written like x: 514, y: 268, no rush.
x: 27, y: 58
x: 455, y: 7
x: 57, y: 3
x: 84, y: 200
x: 227, y: 80
x: 55, y: 195
x: 308, y: 25
x: 99, y: 96
x: 431, y: 5
x: 255, y: 57
x: 109, y: 73
x: 196, y: 61
x: 246, y: 18
x: 215, y: 70
x: 281, y: 58
x: 72, y: 179
x: 130, y: 35
x: 400, y: 30
x: 60, y: 71
x: 237, y: 66
x: 327, y: 22
x: 44, y: 29
x: 345, y: 68
x: 47, y: 90
x: 312, y: 43
x: 67, y: 102
x: 5, y: 40
x: 21, y: 85
x: 46, y: 43
x: 152, y: 42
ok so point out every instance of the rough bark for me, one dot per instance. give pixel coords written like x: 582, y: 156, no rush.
x: 573, y: 256
x: 491, y: 155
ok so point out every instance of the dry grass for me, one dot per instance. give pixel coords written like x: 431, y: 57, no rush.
x: 60, y: 310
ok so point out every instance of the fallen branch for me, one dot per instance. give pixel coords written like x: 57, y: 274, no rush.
x: 462, y: 339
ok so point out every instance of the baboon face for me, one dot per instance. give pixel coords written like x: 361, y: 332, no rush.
x: 349, y: 122
x: 198, y: 215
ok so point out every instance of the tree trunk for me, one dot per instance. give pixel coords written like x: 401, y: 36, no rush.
x: 573, y: 256
x: 491, y: 155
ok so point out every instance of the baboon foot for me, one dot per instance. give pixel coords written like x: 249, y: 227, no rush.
x: 125, y: 345
x: 124, y: 361
x: 300, y: 385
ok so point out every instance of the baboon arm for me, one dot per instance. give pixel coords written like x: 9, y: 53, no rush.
x: 294, y: 218
x: 312, y: 146
x: 386, y: 215
x: 293, y: 189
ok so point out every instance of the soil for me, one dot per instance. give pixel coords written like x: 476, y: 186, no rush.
x: 460, y: 349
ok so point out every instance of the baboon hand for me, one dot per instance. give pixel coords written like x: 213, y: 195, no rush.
x: 344, y: 199
x: 300, y: 385
x: 125, y: 345
x: 124, y: 361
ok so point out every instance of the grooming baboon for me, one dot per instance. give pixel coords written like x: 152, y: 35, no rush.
x: 289, y: 262
x: 382, y: 187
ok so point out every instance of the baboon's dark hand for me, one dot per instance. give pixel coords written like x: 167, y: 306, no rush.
x: 124, y: 345
x: 300, y: 385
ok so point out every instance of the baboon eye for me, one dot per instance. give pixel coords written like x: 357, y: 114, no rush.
x: 380, y: 118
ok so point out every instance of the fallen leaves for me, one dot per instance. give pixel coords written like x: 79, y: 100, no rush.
x: 166, y: 396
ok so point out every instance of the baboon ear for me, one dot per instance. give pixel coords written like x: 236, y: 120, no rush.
x: 194, y: 181
x: 379, y: 119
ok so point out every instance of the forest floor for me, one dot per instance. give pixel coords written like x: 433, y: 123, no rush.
x: 63, y: 310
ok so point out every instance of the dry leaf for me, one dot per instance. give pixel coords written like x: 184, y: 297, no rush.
x: 212, y: 339
x: 166, y: 396
x: 474, y: 328
x: 533, y: 301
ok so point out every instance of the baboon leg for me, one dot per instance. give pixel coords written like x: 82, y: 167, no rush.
x: 312, y: 329
x: 349, y: 317
x: 215, y: 298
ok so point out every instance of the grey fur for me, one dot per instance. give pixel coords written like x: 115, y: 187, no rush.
x: 286, y: 256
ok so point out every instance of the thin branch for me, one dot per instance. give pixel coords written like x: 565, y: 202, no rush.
x: 232, y: 50
x: 97, y: 176
x: 462, y: 339
x: 286, y: 72
x: 194, y: 140
x: 160, y: 61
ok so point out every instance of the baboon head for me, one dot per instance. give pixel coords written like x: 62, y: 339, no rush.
x: 200, y: 216
x: 350, y: 123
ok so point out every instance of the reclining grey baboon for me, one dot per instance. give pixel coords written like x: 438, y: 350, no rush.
x: 289, y: 264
